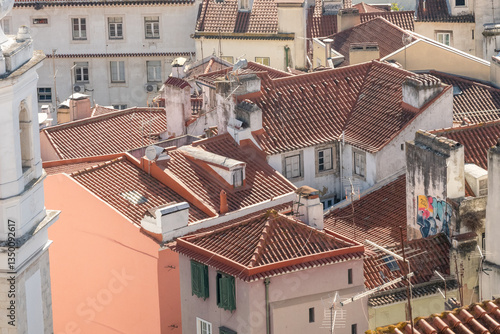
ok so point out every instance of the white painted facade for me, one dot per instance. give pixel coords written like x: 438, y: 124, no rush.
x: 24, y: 262
x: 172, y: 26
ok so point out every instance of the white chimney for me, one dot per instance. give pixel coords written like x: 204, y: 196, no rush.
x: 492, y: 228
x: 310, y: 208
x: 347, y: 18
x: 420, y: 89
x: 177, y: 95
x: 165, y: 219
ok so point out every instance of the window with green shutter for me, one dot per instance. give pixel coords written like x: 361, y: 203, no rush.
x: 226, y: 294
x: 199, y: 279
x: 225, y: 330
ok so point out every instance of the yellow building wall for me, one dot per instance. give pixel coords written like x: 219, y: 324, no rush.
x: 461, y: 34
x: 395, y: 313
x: 424, y: 55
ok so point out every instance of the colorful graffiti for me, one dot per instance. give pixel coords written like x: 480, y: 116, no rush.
x: 433, y: 216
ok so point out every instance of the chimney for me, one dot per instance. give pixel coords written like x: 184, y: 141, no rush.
x: 492, y: 231
x: 177, y: 96
x: 347, y: 18
x: 328, y: 50
x: 178, y: 67
x: 310, y: 208
x: 163, y: 220
x: 495, y: 71
x: 420, y: 89
x: 434, y: 174
x: 363, y: 52
x: 223, y: 203
x: 249, y: 114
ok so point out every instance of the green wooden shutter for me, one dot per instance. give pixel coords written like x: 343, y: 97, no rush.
x: 204, y: 282
x: 227, y: 293
x: 199, y: 280
x: 195, y: 283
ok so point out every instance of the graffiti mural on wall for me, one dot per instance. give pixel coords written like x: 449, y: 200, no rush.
x: 433, y: 216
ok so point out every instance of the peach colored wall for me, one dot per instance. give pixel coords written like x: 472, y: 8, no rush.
x: 47, y: 150
x: 104, y: 271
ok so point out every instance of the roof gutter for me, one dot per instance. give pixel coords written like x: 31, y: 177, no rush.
x: 200, y: 34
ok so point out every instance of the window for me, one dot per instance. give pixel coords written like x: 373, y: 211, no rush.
x: 25, y: 137
x: 79, y: 28
x: 120, y: 106
x: 154, y: 70
x: 117, y: 69
x: 443, y: 37
x: 483, y: 241
x: 5, y: 24
x: 238, y: 177
x: 199, y: 280
x: 354, y: 329
x: 115, y: 27
x: 327, y: 203
x: 359, y: 163
x: 81, y: 72
x: 325, y: 159
x: 152, y: 26
x: 41, y: 21
x: 44, y: 94
x: 229, y: 59
x: 391, y: 263
x: 459, y: 2
x: 292, y: 166
x: 226, y: 294
x: 263, y: 60
x: 203, y: 327
x: 225, y: 330
x: 349, y: 276
x: 472, y: 33
x: 311, y: 314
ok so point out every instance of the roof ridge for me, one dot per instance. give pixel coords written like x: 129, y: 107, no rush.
x: 368, y: 22
x: 463, y: 79
x: 460, y: 128
x: 264, y: 236
x: 98, y: 166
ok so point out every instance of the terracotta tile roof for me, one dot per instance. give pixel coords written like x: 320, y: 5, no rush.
x: 477, y: 318
x: 267, y: 245
x: 100, y: 110
x: 476, y: 139
x: 366, y: 8
x: 111, y: 180
x: 372, y: 219
x: 110, y: 133
x: 262, y: 182
x: 29, y: 3
x: 206, y: 65
x: 388, y: 36
x: 425, y: 256
x: 437, y: 11
x: 176, y: 82
x: 476, y: 101
x: 73, y: 165
x: 314, y: 108
x: 403, y: 19
x: 224, y: 17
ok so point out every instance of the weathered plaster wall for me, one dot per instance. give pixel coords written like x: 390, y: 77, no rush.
x: 461, y: 34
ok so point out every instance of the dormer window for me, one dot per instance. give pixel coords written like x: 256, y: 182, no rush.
x: 238, y: 177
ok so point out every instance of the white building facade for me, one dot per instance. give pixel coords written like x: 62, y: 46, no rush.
x: 117, y: 53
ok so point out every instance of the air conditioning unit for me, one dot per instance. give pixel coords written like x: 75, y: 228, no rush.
x: 78, y: 88
x: 151, y: 88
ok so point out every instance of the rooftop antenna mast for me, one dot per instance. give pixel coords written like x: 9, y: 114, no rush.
x: 406, y: 39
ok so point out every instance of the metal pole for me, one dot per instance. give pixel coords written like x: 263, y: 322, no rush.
x: 408, y: 290
x: 54, y: 70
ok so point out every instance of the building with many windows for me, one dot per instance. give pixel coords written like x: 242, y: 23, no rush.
x: 118, y: 53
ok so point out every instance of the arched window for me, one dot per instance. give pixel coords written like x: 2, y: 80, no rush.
x: 25, y: 137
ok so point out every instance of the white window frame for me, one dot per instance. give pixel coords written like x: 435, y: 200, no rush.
x: 293, y: 166
x: 359, y: 163
x: 79, y: 34
x: 152, y: 27
x: 119, y: 69
x: 154, y: 72
x: 238, y: 177
x: 464, y: 5
x: 44, y: 93
x: 115, y: 28
x: 80, y: 71
x: 203, y: 326
x: 263, y: 60
x: 441, y: 37
x: 119, y: 106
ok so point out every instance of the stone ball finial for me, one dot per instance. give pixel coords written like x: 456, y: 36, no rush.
x: 23, y: 33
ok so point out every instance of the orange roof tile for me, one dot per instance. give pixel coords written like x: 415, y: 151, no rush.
x: 110, y: 133
x: 262, y: 182
x: 363, y: 7
x: 372, y: 219
x: 266, y: 245
x: 180, y: 83
x: 477, y: 318
x: 476, y: 101
x: 476, y: 139
x: 100, y: 110
x: 403, y: 19
x: 206, y: 65
x: 437, y: 11
x: 113, y: 180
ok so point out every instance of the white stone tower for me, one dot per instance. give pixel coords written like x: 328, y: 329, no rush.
x: 25, y: 294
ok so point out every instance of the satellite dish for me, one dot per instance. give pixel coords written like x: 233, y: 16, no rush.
x: 153, y: 151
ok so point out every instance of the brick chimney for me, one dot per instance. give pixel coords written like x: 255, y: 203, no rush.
x: 310, y: 208
x: 434, y: 174
x: 224, y: 208
x: 420, y: 89
x: 177, y: 95
x: 347, y: 18
x: 163, y: 220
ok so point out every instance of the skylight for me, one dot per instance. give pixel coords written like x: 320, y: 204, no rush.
x: 391, y: 263
x: 134, y: 197
x: 456, y: 90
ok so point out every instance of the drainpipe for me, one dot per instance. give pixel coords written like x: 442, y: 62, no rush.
x: 268, y: 321
x: 286, y: 57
